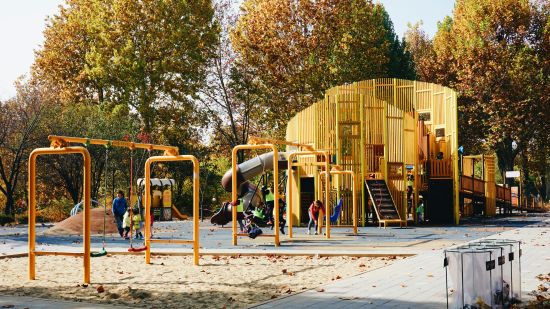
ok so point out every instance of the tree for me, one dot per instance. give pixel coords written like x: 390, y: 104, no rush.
x: 19, y: 119
x: 299, y: 49
x: 144, y: 54
x: 499, y: 67
x: 496, y: 55
x: 232, y: 93
x: 94, y: 121
x: 420, y: 47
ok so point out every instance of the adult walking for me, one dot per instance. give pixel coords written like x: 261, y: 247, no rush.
x: 119, y: 208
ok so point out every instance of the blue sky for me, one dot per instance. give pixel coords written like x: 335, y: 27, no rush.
x: 22, y: 23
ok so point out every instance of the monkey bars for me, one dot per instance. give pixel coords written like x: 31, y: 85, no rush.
x: 196, y: 186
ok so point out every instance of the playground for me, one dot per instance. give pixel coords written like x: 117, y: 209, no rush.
x: 368, y: 209
x: 239, y: 276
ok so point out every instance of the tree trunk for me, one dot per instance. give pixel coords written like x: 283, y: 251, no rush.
x: 525, y: 183
x: 10, y: 205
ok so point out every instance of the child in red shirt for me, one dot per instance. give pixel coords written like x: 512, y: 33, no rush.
x: 313, y: 212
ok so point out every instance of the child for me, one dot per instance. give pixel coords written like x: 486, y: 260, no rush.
x: 136, y: 220
x: 126, y: 223
x: 420, y: 209
x: 313, y: 212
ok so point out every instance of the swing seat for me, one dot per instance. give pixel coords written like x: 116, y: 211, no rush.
x: 337, y: 211
x: 103, y: 252
x: 140, y: 249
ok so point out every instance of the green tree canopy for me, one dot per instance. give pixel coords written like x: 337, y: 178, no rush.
x: 145, y: 54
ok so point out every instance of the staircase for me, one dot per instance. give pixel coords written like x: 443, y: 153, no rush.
x: 383, y: 202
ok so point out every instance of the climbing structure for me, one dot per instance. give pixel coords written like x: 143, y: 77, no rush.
x: 385, y: 129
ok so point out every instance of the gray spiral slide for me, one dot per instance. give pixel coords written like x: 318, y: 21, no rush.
x: 246, y: 190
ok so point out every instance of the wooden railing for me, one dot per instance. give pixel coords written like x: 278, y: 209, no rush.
x: 471, y: 184
x: 503, y: 193
x: 440, y: 168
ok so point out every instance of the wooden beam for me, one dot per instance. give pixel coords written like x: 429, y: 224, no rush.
x: 57, y: 141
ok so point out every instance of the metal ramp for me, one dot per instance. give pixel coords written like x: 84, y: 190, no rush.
x: 383, y: 202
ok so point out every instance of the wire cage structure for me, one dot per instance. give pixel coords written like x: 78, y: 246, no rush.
x: 483, y: 274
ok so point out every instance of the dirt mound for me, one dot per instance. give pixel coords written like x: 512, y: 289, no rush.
x: 73, y: 225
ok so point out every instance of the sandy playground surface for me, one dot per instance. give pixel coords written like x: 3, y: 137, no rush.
x: 172, y: 281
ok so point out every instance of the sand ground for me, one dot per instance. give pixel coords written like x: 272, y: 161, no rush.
x: 172, y: 281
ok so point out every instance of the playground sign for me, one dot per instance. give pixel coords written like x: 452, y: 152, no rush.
x: 512, y: 174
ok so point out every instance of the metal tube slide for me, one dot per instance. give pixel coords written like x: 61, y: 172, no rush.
x: 253, y: 167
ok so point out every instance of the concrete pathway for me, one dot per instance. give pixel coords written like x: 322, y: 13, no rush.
x: 417, y: 282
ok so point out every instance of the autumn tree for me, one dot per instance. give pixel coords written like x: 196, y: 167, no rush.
x: 144, y: 54
x: 299, y: 49
x: 420, y: 47
x: 19, y: 119
x: 232, y: 95
x: 496, y: 55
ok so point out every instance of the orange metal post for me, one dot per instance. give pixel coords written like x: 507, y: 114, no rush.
x: 290, y: 192
x: 196, y: 187
x: 32, y: 207
x: 234, y: 186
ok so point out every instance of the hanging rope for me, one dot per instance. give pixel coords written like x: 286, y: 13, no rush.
x: 132, y: 249
x: 131, y: 210
x: 103, y: 250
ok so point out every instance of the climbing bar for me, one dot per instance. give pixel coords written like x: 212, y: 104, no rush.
x: 326, y: 163
x: 337, y: 171
x: 172, y: 241
x: 148, y: 199
x: 234, y: 195
x: 57, y: 141
x: 57, y: 253
x: 86, y: 192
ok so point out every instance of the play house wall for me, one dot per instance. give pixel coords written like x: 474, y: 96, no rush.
x: 380, y: 127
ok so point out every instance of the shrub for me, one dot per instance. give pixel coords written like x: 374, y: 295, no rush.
x: 55, y: 210
x: 4, y: 219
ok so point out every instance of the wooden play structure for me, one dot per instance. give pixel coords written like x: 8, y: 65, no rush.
x: 400, y: 139
x: 162, y: 206
x: 379, y: 129
x: 60, y: 145
x: 479, y: 193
